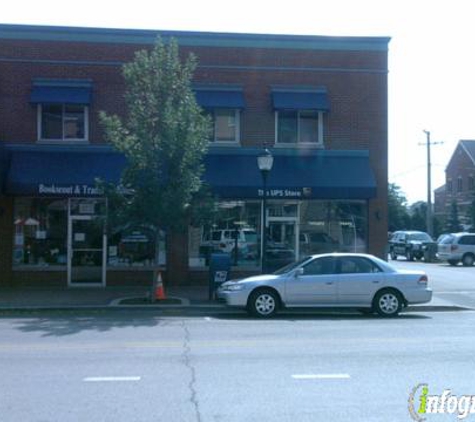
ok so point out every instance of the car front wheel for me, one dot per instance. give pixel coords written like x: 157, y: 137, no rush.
x: 263, y: 303
x: 387, y: 303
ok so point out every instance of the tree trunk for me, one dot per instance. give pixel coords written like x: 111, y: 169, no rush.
x: 177, y: 258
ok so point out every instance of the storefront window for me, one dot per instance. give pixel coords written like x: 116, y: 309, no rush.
x: 136, y: 246
x: 294, y: 230
x: 40, y: 232
x: 235, y: 229
x: 333, y: 226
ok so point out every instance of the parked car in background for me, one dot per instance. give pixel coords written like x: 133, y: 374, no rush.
x: 410, y: 244
x: 317, y: 242
x: 457, y: 247
x: 330, y: 280
x: 226, y: 240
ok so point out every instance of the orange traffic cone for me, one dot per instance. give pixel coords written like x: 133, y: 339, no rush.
x: 159, y: 290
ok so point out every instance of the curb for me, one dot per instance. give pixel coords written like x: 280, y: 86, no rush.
x: 115, y: 306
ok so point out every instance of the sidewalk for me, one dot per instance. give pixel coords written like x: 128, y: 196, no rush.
x: 111, y: 297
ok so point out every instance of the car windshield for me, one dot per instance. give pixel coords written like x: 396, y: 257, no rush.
x: 424, y: 237
x: 292, y: 266
x: 447, y: 240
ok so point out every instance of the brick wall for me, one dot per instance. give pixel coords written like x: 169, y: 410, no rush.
x: 356, y: 82
x: 460, y: 166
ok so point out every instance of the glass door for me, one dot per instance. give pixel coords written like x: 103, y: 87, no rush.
x: 281, y: 243
x: 86, y: 250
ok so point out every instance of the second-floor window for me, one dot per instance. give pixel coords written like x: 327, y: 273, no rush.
x: 299, y: 127
x: 459, y: 184
x: 62, y: 122
x: 225, y: 125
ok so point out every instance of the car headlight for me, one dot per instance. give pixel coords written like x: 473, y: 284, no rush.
x: 234, y: 287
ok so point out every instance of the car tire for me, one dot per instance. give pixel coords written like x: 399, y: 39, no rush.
x: 263, y: 303
x: 453, y: 262
x: 388, y: 303
x: 409, y: 255
x: 393, y: 255
x: 468, y: 260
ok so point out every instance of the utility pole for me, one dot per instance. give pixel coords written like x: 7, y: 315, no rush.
x: 429, y: 219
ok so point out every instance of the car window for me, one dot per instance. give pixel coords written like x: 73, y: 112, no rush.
x: 423, y: 237
x: 320, y: 266
x: 447, y: 240
x: 250, y: 236
x: 467, y: 240
x: 357, y: 265
x: 216, y: 235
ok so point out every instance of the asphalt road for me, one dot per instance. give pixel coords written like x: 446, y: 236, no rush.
x: 453, y: 284
x: 169, y: 366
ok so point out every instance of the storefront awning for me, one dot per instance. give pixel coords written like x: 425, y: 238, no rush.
x: 300, y: 100
x: 61, y: 171
x: 231, y: 173
x: 214, y: 98
x: 61, y: 92
x: 313, y: 175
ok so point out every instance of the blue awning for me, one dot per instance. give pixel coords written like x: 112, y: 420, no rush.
x: 213, y: 98
x: 317, y: 175
x: 231, y: 174
x: 46, y: 91
x: 300, y: 100
x: 62, y: 172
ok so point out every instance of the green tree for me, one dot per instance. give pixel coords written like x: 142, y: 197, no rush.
x: 398, y: 216
x: 418, y: 216
x: 164, y: 137
x: 453, y: 222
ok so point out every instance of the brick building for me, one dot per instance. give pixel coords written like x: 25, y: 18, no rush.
x: 318, y: 103
x: 459, y: 184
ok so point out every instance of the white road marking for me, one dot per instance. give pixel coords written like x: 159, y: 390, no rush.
x: 108, y: 379
x: 320, y: 376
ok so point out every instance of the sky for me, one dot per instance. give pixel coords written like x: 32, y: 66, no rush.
x: 431, y: 56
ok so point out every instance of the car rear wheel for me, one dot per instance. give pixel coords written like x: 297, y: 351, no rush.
x: 409, y: 255
x: 393, y: 255
x: 468, y: 260
x: 263, y: 303
x: 387, y: 303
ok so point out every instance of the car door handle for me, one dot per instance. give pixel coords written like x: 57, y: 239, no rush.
x: 375, y: 281
x: 329, y: 283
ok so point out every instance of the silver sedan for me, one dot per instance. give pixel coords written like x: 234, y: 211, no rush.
x: 358, y: 281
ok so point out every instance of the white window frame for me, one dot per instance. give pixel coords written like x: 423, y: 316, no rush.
x: 237, y: 133
x: 318, y: 144
x: 63, y: 140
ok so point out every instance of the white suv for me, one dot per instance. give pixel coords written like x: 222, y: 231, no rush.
x: 457, y: 247
x: 225, y: 241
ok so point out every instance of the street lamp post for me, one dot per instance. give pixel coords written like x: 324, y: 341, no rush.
x: 265, y: 160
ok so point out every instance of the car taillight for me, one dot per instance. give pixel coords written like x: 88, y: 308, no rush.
x: 453, y: 248
x: 423, y: 279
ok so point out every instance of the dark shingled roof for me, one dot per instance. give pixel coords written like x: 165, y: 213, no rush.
x: 469, y: 147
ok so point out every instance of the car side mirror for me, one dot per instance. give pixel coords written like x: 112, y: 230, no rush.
x: 300, y: 271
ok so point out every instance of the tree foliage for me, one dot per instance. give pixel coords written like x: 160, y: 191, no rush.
x: 164, y: 137
x: 398, y: 215
x: 453, y: 222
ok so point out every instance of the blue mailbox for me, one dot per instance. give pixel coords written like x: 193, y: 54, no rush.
x: 219, y: 270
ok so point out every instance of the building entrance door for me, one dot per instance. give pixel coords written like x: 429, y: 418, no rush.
x: 282, y: 242
x: 86, y: 250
